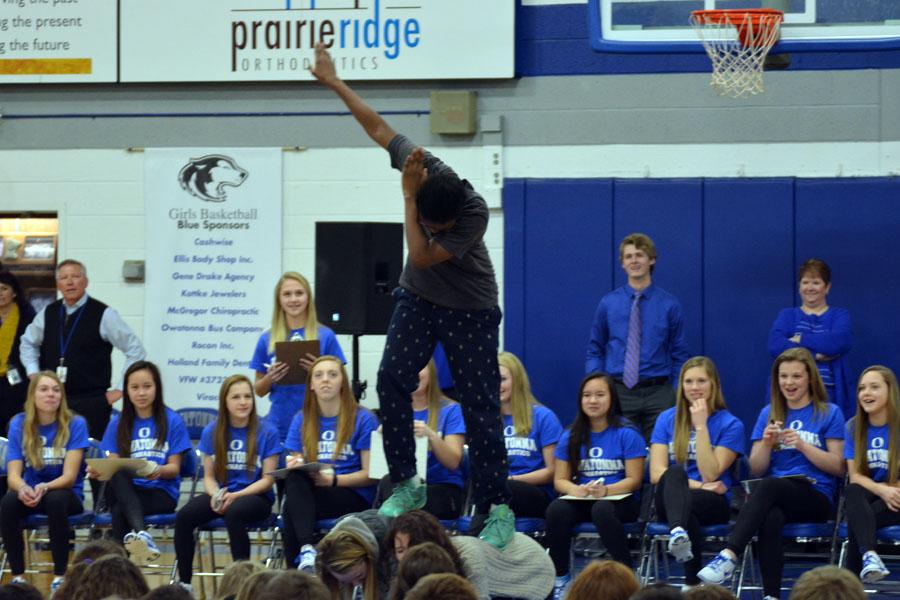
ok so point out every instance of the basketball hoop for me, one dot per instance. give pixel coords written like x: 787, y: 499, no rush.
x: 737, y: 41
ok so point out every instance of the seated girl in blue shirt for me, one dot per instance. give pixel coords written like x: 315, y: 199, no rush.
x: 331, y: 429
x: 45, y: 472
x: 238, y: 450
x: 798, y: 448
x: 601, y: 454
x: 872, y: 499
x: 692, y: 449
x: 531, y: 431
x: 440, y: 420
x: 148, y: 430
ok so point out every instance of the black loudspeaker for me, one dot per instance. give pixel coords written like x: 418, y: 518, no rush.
x: 357, y: 268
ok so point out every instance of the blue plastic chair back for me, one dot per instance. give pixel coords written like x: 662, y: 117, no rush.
x: 195, y: 419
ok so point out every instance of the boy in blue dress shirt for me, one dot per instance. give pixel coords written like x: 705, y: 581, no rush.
x: 638, y: 337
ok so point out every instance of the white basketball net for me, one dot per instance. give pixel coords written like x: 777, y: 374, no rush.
x: 737, y: 58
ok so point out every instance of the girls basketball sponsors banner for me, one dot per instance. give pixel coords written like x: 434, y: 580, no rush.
x: 241, y: 40
x: 213, y: 231
x: 58, y: 41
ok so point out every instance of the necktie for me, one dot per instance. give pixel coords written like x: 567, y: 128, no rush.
x: 633, y: 344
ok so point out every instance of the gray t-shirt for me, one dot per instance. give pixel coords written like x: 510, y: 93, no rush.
x: 466, y: 280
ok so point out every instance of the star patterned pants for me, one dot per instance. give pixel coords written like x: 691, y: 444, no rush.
x: 470, y: 339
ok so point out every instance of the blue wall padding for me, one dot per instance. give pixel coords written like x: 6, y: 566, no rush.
x: 854, y: 225
x: 728, y: 248
x: 748, y: 267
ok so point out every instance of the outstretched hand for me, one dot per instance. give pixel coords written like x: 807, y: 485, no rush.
x: 414, y: 173
x: 323, y: 67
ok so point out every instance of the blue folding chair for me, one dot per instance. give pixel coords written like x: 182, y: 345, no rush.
x: 268, y: 525
x: 195, y: 419
x: 884, y: 537
x: 799, y: 533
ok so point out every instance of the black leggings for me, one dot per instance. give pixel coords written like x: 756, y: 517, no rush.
x: 243, y: 512
x: 528, y: 500
x: 690, y: 509
x: 772, y: 504
x: 128, y: 503
x: 57, y: 505
x: 305, y: 503
x: 866, y: 513
x: 607, y: 516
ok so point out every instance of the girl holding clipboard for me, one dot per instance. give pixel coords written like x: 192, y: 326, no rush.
x: 293, y: 319
x: 332, y: 428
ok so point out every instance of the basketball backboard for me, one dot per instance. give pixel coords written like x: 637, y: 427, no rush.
x: 814, y: 25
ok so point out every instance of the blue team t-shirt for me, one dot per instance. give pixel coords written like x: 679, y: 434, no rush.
x: 238, y: 477
x: 450, y: 422
x: 725, y: 430
x: 525, y: 454
x: 814, y: 429
x: 606, y: 454
x: 143, y: 445
x: 288, y: 399
x: 348, y: 459
x: 53, y: 459
x: 876, y: 450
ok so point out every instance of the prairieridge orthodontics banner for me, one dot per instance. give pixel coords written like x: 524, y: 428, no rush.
x: 213, y: 231
x: 259, y: 40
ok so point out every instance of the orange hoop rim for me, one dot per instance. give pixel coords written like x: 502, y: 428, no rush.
x: 757, y: 16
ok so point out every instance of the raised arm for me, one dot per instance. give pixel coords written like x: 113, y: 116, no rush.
x: 371, y: 121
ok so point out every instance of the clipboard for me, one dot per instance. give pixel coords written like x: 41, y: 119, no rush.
x: 107, y: 467
x: 313, y: 467
x: 290, y: 353
x: 750, y: 484
x: 611, y: 497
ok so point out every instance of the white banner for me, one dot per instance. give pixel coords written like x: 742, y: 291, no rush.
x: 213, y: 223
x: 257, y: 40
x: 53, y: 41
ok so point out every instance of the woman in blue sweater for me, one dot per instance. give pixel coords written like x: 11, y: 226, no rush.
x: 822, y: 329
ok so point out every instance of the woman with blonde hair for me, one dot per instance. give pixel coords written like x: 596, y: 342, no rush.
x: 45, y: 472
x: 440, y: 420
x: 348, y: 558
x: 238, y: 450
x: 693, y: 446
x: 798, y: 449
x: 872, y: 500
x: 293, y: 318
x: 335, y: 432
x: 531, y: 432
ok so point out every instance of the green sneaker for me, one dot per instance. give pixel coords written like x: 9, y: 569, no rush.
x: 408, y: 495
x: 500, y: 527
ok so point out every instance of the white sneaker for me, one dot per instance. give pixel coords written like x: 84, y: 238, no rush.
x: 19, y: 579
x: 718, y: 570
x: 307, y: 559
x: 54, y: 585
x: 141, y: 548
x: 680, y: 545
x: 873, y: 569
x: 186, y: 587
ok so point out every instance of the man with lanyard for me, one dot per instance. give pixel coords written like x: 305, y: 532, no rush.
x: 74, y: 337
x: 638, y: 337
